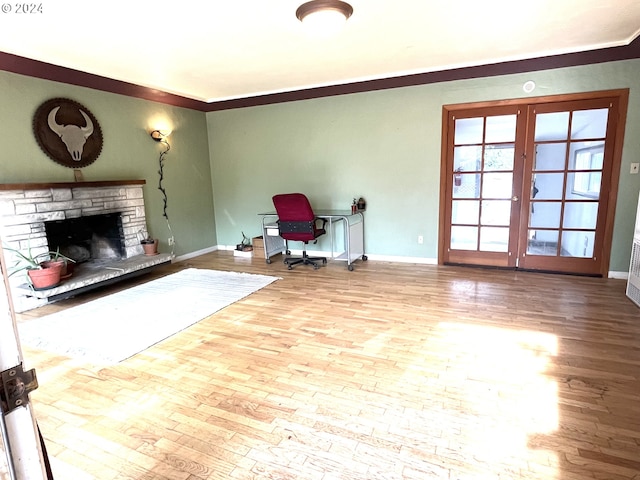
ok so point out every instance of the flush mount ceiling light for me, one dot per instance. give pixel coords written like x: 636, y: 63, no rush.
x: 316, y: 8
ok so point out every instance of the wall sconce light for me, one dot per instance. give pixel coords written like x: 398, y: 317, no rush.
x: 159, y: 135
x: 324, y: 12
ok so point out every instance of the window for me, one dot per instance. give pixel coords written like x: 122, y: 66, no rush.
x: 587, y: 181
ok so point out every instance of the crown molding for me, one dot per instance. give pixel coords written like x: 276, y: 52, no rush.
x: 34, y: 68
x: 47, y: 71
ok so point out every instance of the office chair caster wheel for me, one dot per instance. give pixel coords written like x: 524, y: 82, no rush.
x: 316, y: 267
x: 268, y: 261
x: 288, y: 252
x: 289, y: 267
x: 324, y: 261
x: 364, y: 258
x: 350, y: 268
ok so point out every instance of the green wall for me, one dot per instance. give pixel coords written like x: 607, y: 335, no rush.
x: 382, y: 145
x: 385, y: 146
x: 128, y: 153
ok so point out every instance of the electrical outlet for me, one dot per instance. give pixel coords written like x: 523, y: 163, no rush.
x: 634, y: 168
x: 420, y: 239
x: 171, y: 241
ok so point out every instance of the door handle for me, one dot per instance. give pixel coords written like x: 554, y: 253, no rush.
x: 515, y: 198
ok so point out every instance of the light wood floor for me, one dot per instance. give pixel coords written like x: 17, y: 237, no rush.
x: 392, y: 371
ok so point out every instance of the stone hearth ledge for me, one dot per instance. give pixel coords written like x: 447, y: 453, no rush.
x: 90, y: 275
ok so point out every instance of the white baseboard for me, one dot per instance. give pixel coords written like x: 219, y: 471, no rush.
x: 619, y: 275
x: 397, y: 259
x: 197, y: 253
x: 379, y: 258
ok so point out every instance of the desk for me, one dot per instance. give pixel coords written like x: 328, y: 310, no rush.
x: 353, y: 235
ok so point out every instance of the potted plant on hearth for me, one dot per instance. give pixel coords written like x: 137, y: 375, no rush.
x: 149, y: 244
x: 56, y: 258
x: 43, y: 270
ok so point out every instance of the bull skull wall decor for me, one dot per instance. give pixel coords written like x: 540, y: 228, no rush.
x: 67, y: 132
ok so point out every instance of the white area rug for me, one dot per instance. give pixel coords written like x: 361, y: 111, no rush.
x: 115, y: 327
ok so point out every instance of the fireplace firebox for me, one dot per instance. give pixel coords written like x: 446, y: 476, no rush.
x: 94, y: 237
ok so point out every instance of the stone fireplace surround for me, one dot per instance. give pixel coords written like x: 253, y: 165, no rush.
x: 24, y: 209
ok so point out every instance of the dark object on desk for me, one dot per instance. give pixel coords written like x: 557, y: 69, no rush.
x: 298, y: 223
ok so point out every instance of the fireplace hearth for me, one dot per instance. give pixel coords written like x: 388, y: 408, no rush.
x: 95, y: 223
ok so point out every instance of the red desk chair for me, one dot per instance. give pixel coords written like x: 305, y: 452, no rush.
x: 298, y: 223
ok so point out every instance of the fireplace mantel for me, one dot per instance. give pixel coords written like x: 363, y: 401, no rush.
x: 41, y: 185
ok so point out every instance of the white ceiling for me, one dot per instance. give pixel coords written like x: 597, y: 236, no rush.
x: 212, y: 50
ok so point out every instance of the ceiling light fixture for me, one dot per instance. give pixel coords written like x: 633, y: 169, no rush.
x: 316, y: 9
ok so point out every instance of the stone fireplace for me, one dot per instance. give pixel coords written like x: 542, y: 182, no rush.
x: 104, y: 221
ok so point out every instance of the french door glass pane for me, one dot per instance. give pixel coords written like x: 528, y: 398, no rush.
x: 545, y: 214
x: 498, y: 157
x: 543, y: 242
x: 584, y: 185
x: 465, y: 211
x: 501, y: 128
x: 547, y: 186
x: 494, y: 239
x: 496, y: 212
x: 467, y: 158
x: 586, y: 155
x: 497, y: 185
x: 466, y: 185
x: 589, y: 123
x: 580, y: 215
x: 577, y: 244
x: 464, y: 238
x: 550, y: 156
x: 552, y: 126
x: 468, y: 130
